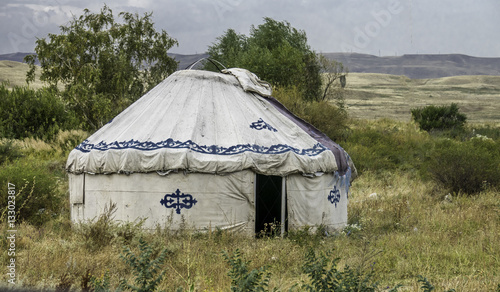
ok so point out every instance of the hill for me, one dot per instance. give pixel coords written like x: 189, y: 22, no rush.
x: 411, y: 66
x: 419, y: 66
x: 14, y: 73
x: 184, y: 60
x: 373, y: 95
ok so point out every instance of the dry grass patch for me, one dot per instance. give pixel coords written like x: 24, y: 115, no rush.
x: 374, y: 96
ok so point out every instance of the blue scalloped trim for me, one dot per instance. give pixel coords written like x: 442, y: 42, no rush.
x: 85, y: 146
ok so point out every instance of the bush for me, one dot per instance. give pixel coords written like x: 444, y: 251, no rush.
x: 8, y: 151
x: 37, y: 194
x: 326, y: 117
x: 99, y: 233
x: 26, y: 112
x: 439, y: 117
x: 385, y: 146
x: 324, y: 276
x: 468, y: 167
x: 148, y: 272
x: 241, y: 278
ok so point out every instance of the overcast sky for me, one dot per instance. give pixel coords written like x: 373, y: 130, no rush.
x: 382, y: 27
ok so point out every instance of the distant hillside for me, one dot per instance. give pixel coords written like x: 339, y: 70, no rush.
x: 412, y: 66
x: 419, y: 66
x: 18, y: 57
x: 14, y: 73
x: 184, y: 60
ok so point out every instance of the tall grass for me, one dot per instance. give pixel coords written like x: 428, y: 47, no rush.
x: 402, y: 224
x: 409, y: 228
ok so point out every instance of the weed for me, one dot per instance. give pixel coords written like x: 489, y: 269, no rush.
x: 101, y: 284
x: 99, y: 233
x: 243, y: 280
x: 86, y: 281
x: 127, y: 231
x: 324, y: 275
x: 9, y: 151
x: 143, y: 267
x: 426, y: 286
x: 469, y: 167
x: 38, y: 197
x: 306, y: 236
x: 64, y: 283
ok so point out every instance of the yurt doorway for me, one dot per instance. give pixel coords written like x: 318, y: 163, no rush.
x: 270, y: 208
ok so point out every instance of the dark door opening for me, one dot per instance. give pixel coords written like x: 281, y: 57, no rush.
x: 268, y: 202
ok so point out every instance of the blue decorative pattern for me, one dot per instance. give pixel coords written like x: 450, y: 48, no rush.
x: 178, y: 201
x: 260, y: 125
x: 334, y: 196
x: 85, y: 146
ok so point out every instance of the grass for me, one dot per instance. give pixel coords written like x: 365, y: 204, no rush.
x: 400, y: 224
x: 15, y: 73
x: 408, y: 229
x: 374, y: 96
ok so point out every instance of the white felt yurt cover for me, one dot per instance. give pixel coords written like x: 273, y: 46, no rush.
x: 207, y: 122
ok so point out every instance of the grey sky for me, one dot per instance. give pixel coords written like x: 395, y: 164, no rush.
x: 385, y: 27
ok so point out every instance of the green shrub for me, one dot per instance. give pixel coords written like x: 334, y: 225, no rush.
x: 101, y: 284
x: 8, y: 151
x: 325, y: 116
x: 148, y: 272
x: 485, y: 132
x: 37, y: 194
x: 439, y: 117
x: 307, y: 235
x: 242, y: 279
x: 468, y: 167
x: 26, y: 112
x: 427, y: 286
x: 387, y: 147
x: 68, y: 140
x: 96, y: 234
x: 324, y: 275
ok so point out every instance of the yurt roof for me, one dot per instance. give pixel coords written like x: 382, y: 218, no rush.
x: 202, y: 121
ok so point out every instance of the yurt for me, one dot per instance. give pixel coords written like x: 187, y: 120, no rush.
x: 207, y: 151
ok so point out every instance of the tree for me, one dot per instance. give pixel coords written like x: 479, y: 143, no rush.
x: 276, y: 52
x: 228, y: 48
x: 334, y: 71
x: 103, y: 65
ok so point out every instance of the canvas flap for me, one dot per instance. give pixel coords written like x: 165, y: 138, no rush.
x: 250, y: 82
x: 327, y: 195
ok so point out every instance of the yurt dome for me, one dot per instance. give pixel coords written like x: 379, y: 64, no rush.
x: 214, y: 150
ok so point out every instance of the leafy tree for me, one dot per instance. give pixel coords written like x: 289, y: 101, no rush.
x: 102, y: 64
x: 228, y: 48
x: 276, y: 52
